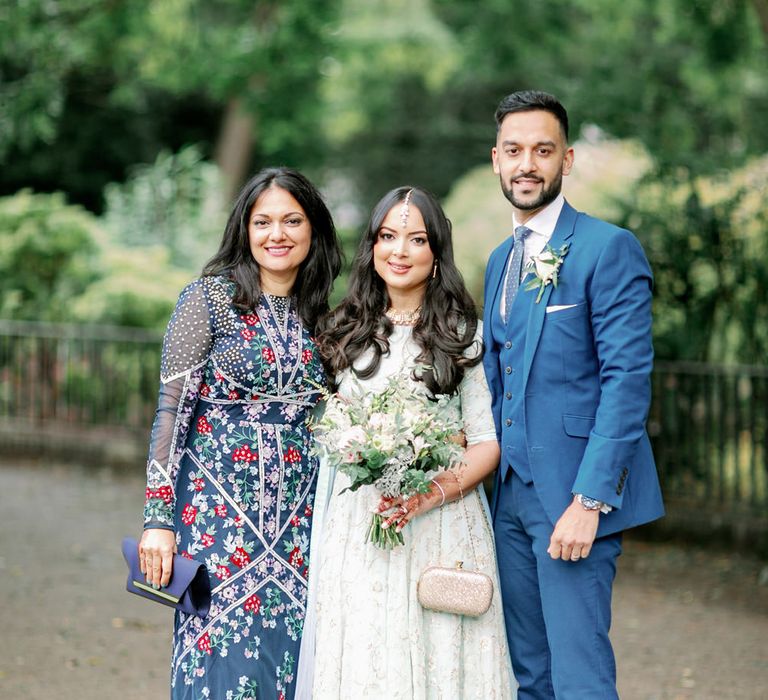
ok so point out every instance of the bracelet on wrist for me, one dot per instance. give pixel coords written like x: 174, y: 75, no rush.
x: 442, y: 493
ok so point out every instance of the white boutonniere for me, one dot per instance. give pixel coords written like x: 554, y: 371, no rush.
x: 545, y: 269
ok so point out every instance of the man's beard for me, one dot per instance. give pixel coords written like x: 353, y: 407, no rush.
x: 548, y: 194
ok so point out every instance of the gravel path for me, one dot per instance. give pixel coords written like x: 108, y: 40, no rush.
x: 687, y: 624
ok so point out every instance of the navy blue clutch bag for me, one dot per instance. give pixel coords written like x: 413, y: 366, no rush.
x: 189, y: 589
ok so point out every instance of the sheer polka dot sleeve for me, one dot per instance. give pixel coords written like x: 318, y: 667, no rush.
x: 188, y: 338
x: 186, y: 348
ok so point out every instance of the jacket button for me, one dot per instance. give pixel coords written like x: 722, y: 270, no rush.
x: 508, y: 370
x: 508, y: 422
x: 508, y: 345
x: 619, y: 490
x: 508, y: 395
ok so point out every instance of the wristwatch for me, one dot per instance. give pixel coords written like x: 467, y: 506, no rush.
x: 589, y: 503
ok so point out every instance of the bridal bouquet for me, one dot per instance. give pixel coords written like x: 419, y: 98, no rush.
x: 394, y: 440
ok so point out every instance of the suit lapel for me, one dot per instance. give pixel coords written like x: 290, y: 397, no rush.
x: 497, y: 279
x: 562, y: 233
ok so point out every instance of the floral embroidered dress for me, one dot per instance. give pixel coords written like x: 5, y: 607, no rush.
x: 229, y: 470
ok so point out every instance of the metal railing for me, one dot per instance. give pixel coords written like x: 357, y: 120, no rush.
x: 708, y: 423
x: 65, y: 375
x: 709, y: 428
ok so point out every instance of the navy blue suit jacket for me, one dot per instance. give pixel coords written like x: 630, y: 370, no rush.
x: 586, y: 373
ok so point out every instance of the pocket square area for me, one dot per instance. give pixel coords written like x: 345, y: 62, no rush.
x: 559, y: 307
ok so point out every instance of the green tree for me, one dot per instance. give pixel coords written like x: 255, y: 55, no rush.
x: 48, y: 256
x: 58, y: 264
x: 175, y: 202
x: 74, y: 114
x: 689, y: 79
x: 383, y: 92
x: 88, y: 87
x: 261, y: 61
x: 705, y: 240
x: 138, y: 287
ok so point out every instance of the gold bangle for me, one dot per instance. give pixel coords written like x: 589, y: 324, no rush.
x: 458, y: 482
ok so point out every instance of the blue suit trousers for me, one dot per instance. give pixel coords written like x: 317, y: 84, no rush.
x: 557, y: 613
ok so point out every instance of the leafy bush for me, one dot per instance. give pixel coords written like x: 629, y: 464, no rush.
x: 58, y: 264
x: 49, y: 252
x: 139, y: 287
x: 174, y: 202
x: 706, y: 242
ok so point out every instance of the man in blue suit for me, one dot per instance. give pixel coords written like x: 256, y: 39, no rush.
x: 567, y: 331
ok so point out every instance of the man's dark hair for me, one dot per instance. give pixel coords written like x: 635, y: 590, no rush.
x: 528, y: 101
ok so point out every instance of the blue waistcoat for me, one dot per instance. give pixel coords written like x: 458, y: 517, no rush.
x: 510, y: 338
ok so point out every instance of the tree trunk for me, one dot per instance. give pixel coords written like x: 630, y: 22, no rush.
x: 233, y: 148
x: 761, y: 7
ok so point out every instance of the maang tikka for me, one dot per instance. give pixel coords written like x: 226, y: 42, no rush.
x: 405, y: 209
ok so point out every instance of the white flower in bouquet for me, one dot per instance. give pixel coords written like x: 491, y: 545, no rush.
x: 383, y: 431
x: 337, y: 413
x: 395, y: 440
x: 412, y: 421
x: 420, y: 446
x: 353, y: 435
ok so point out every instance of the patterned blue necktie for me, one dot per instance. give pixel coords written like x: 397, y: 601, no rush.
x: 515, y: 268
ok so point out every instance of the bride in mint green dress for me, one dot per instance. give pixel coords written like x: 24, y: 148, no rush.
x: 407, y: 313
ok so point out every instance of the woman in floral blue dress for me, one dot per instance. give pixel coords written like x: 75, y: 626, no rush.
x: 230, y: 480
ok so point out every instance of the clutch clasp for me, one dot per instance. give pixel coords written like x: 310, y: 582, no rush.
x: 152, y: 591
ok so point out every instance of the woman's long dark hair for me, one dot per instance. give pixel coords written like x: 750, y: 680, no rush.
x: 316, y: 273
x: 448, y: 321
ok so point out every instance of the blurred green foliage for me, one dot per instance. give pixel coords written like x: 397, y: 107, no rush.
x: 48, y: 256
x: 707, y: 245
x: 90, y: 87
x: 148, y: 112
x: 175, y: 202
x: 57, y: 264
x: 688, y: 78
x: 386, y: 90
x: 136, y: 287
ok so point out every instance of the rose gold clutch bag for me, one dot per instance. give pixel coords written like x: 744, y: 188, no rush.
x: 455, y: 590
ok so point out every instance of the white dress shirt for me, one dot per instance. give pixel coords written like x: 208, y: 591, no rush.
x: 542, y: 226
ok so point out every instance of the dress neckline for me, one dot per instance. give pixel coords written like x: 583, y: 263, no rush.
x: 279, y: 307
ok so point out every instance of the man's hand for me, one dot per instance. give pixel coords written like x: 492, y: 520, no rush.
x: 574, y: 533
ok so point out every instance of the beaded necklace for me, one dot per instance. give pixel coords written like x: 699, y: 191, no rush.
x: 403, y: 318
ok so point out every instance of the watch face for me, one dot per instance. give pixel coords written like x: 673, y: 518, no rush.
x: 589, y: 503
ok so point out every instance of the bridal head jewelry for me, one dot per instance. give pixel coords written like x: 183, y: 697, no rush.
x: 405, y: 209
x: 403, y: 318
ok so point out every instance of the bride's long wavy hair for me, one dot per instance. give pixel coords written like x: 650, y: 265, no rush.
x: 446, y: 327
